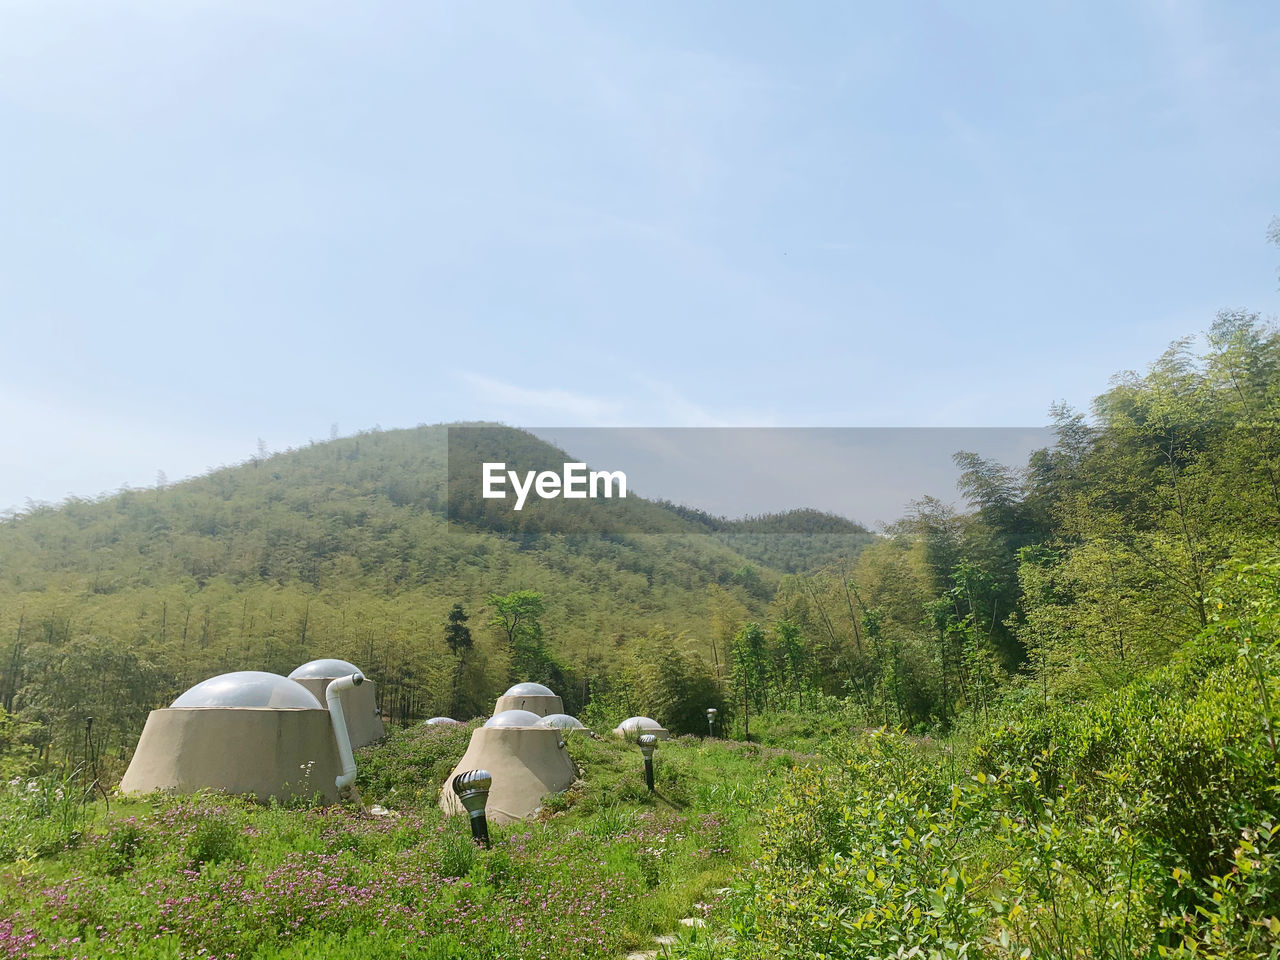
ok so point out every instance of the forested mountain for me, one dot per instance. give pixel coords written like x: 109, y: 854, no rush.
x: 1069, y: 576
x: 110, y: 607
x: 1041, y: 727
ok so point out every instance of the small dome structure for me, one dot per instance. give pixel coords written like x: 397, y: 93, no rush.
x: 328, y: 668
x: 561, y: 721
x: 249, y: 688
x: 441, y: 722
x: 526, y: 762
x: 632, y: 727
x: 528, y: 689
x: 360, y: 707
x: 513, y: 718
x: 533, y: 697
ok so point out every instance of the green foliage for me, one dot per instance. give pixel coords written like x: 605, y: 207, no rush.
x: 124, y: 842
x: 456, y: 632
x: 860, y: 860
x: 805, y: 729
x: 42, y: 815
x: 86, y: 677
x: 18, y: 757
x: 1140, y: 824
x: 1098, y: 639
x: 410, y: 767
x: 1071, y: 577
x: 672, y: 685
x: 519, y: 616
x: 749, y: 671
x: 457, y: 850
x: 214, y: 839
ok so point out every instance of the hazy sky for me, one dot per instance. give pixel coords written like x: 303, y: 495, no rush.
x: 871, y: 475
x: 224, y: 220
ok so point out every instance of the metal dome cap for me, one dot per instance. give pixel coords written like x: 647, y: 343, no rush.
x: 513, y: 718
x: 529, y: 689
x: 249, y: 688
x: 561, y: 721
x: 329, y: 669
x: 441, y: 722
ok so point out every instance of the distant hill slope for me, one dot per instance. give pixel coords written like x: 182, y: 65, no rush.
x: 342, y: 549
x: 796, y: 541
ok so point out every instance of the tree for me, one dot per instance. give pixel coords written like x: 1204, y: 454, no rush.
x: 1273, y: 232
x: 517, y: 615
x: 456, y: 632
x: 749, y: 667
x: 727, y: 615
x: 1244, y: 366
x: 669, y: 683
x: 458, y: 636
x: 793, y: 658
x: 89, y: 676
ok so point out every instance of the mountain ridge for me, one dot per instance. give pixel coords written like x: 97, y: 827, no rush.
x: 341, y: 548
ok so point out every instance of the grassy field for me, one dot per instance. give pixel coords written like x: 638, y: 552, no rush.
x: 1142, y: 825
x: 604, y: 869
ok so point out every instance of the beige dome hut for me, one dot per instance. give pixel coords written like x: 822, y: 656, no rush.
x: 247, y: 732
x: 533, y: 697
x: 364, y: 723
x: 527, y: 762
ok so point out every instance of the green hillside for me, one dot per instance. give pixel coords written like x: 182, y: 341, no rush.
x: 110, y: 607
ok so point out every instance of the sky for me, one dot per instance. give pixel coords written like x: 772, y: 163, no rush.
x: 225, y: 221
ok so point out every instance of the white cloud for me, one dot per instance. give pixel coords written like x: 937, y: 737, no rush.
x: 672, y: 408
x: 497, y: 400
x: 656, y: 404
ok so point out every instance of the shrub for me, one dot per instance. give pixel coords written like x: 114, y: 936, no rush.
x: 214, y: 839
x: 122, y: 844
x: 411, y: 767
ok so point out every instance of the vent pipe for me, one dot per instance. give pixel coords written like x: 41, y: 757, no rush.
x: 333, y: 697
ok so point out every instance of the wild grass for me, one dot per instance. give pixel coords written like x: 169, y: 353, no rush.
x: 601, y: 870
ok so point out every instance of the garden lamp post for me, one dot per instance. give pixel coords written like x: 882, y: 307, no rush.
x: 648, y: 742
x: 472, y: 788
x: 711, y: 721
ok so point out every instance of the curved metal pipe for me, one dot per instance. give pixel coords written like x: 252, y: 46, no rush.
x: 333, y: 697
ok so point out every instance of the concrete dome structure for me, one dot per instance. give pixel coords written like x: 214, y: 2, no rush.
x: 247, y: 732
x: 360, y: 706
x: 632, y: 727
x: 513, y: 718
x: 527, y: 763
x: 561, y: 721
x: 533, y: 697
